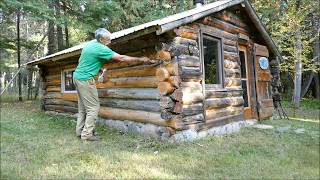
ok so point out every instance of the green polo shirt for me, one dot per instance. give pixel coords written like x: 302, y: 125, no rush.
x: 93, y: 56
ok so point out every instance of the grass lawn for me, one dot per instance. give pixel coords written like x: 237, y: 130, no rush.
x: 38, y: 145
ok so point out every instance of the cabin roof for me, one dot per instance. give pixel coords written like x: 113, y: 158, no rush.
x: 168, y: 23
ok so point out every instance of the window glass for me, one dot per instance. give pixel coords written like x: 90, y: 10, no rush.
x: 68, y: 81
x: 212, y: 60
x: 244, y: 79
x: 243, y: 64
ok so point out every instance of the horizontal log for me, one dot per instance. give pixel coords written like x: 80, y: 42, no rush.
x: 231, y: 64
x: 136, y: 71
x: 235, y: 73
x: 53, y: 77
x: 188, y: 61
x: 146, y: 105
x: 231, y: 56
x: 132, y: 115
x: 130, y: 82
x: 180, y: 124
x: 223, y: 120
x: 124, y: 64
x: 194, y: 118
x: 57, y: 70
x: 192, y: 98
x: 167, y: 114
x: 186, y: 33
x: 221, y: 94
x: 70, y: 96
x: 53, y: 89
x: 192, y: 109
x: 232, y: 82
x: 216, y: 113
x: 190, y: 71
x: 165, y: 88
x: 228, y: 48
x: 231, y: 18
x: 184, y: 41
x: 61, y: 108
x: 192, y: 78
x: 178, y: 49
x: 223, y: 102
x: 162, y: 74
x: 226, y: 26
x: 61, y: 102
x: 53, y: 83
x: 130, y: 93
x: 191, y: 87
x: 52, y: 95
x: 229, y: 42
x: 206, y: 27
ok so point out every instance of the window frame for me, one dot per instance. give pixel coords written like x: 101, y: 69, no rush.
x: 220, y: 63
x: 63, y: 90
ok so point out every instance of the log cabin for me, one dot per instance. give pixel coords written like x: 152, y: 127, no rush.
x: 217, y: 66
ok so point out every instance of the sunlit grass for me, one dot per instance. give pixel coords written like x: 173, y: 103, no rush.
x: 38, y: 145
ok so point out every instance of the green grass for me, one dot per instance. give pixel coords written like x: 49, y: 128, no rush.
x: 38, y: 145
x: 309, y: 110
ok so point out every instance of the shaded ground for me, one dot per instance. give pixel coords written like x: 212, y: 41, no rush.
x: 34, y: 144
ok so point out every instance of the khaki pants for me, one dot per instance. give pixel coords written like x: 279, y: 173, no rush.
x: 88, y: 107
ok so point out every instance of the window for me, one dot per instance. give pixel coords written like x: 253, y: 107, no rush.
x: 67, y: 84
x: 212, y: 60
x: 244, y: 79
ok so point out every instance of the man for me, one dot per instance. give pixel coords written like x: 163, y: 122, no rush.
x: 93, y: 56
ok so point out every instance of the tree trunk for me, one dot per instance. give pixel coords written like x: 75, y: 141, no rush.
x: 66, y: 31
x: 306, y: 85
x: 18, y: 53
x: 51, y: 33
x: 59, y: 28
x: 298, y: 70
x: 317, y: 86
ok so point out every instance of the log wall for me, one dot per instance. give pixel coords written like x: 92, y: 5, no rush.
x: 196, y: 105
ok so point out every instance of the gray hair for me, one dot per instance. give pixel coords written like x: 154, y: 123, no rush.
x: 102, y: 33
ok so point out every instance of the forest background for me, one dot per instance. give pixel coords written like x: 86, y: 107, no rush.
x: 31, y: 29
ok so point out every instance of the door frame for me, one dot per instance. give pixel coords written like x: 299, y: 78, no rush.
x: 249, y: 112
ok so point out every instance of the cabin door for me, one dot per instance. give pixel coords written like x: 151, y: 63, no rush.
x: 263, y: 82
x: 246, y: 83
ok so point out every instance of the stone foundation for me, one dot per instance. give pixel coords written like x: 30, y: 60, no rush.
x: 154, y: 131
x: 163, y: 133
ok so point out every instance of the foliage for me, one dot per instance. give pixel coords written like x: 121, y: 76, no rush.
x: 284, y: 19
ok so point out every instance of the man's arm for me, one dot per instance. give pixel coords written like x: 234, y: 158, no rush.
x: 118, y: 57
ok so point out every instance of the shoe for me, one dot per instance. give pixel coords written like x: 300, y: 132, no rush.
x: 91, y: 138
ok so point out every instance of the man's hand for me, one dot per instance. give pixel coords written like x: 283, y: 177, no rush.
x: 129, y: 59
x: 147, y: 60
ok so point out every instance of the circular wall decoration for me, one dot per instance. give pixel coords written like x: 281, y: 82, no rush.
x: 264, y: 63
